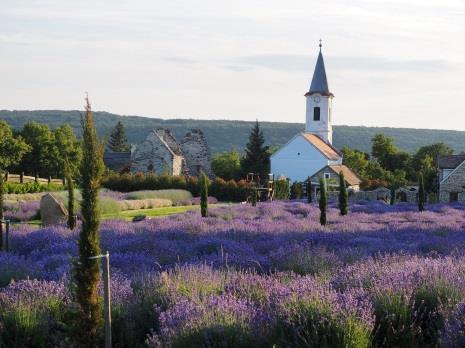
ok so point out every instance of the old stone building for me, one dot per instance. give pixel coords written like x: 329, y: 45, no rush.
x: 451, y: 178
x: 197, y: 153
x: 161, y: 153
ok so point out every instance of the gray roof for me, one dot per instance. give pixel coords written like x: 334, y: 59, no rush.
x: 117, y: 160
x: 319, y: 81
x: 450, y: 161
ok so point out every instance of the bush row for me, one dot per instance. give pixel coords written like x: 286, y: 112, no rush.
x: 226, y: 191
x: 30, y: 187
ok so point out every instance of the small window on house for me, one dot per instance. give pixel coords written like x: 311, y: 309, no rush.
x: 453, y: 196
x: 298, y: 153
x: 316, y: 113
x: 327, y: 175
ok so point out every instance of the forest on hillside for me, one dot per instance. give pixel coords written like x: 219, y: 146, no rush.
x: 225, y: 135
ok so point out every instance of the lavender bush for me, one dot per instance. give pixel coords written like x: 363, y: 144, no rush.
x: 258, y: 276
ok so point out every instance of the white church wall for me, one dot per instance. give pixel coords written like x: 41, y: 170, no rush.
x: 297, y: 160
x: 323, y: 127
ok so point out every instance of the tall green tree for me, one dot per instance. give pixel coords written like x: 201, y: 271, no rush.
x: 70, y: 188
x: 2, y: 178
x: 227, y: 165
x: 388, y: 155
x: 38, y: 161
x: 421, y: 193
x: 323, y: 201
x: 203, y: 195
x: 87, y: 270
x: 257, y: 156
x: 12, y: 148
x: 343, y: 195
x: 118, y: 141
x: 356, y: 160
x: 67, y: 151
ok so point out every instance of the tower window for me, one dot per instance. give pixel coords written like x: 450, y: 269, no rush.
x: 316, y: 113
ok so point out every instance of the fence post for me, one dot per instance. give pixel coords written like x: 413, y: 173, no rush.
x: 6, y: 176
x: 106, y: 296
x: 1, y: 234
x: 7, y: 234
x: 49, y: 180
x: 21, y: 178
x: 106, y: 290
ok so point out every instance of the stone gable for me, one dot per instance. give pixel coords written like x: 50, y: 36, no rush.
x: 197, y: 153
x: 453, y: 187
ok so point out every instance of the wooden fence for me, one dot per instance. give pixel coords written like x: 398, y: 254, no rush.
x: 22, y: 179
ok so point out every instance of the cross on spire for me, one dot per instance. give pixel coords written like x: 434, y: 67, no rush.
x: 321, y: 45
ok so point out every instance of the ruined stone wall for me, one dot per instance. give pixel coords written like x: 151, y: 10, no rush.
x: 197, y: 153
x: 455, y: 184
x: 153, y: 155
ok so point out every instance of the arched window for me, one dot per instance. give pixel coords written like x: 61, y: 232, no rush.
x: 316, y: 113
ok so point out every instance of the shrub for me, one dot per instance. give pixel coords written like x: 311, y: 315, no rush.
x: 136, y: 204
x: 203, y: 195
x: 174, y: 195
x: 343, y: 195
x: 281, y: 189
x: 297, y: 190
x: 30, y: 187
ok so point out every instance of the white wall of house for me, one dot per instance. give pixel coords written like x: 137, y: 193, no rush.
x: 298, y: 160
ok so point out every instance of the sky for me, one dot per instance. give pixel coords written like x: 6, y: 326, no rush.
x: 397, y: 63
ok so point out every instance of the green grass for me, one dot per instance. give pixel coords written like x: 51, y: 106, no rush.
x: 157, y: 212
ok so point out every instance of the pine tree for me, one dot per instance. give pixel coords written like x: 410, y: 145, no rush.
x: 70, y: 187
x: 421, y: 193
x: 87, y: 271
x: 323, y: 201
x: 203, y: 195
x: 257, y: 156
x: 343, y: 195
x: 118, y: 141
x: 309, y: 190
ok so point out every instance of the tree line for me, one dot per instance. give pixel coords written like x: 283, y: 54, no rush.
x: 37, y: 150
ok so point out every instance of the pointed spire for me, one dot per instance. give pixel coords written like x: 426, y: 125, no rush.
x: 319, y: 81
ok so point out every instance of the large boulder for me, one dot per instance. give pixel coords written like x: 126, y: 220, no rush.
x: 52, y: 212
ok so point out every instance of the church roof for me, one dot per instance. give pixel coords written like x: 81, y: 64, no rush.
x: 328, y: 150
x: 350, y: 177
x: 319, y: 81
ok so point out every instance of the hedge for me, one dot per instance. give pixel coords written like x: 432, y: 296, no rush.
x: 30, y: 187
x: 226, y: 191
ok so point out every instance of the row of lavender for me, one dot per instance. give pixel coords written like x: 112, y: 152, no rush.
x: 255, y: 276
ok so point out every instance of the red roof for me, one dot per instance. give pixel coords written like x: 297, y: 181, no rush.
x: 328, y: 150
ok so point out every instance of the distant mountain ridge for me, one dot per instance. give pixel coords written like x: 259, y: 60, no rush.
x: 225, y: 135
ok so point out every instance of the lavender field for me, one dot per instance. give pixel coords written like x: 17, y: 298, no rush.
x: 383, y: 276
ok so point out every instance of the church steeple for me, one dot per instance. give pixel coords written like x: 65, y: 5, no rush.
x: 319, y: 103
x: 319, y: 81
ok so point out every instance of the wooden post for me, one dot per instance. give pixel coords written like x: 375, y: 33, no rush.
x: 7, y: 234
x: 6, y: 176
x: 1, y: 234
x: 106, y: 296
x: 36, y: 177
x: 107, y: 304
x: 49, y: 180
x: 21, y: 178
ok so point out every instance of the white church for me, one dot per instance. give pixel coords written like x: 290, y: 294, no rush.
x: 311, y: 153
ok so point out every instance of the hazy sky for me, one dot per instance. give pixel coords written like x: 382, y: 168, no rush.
x: 389, y: 62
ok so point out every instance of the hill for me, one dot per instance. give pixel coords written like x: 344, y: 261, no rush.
x: 225, y: 135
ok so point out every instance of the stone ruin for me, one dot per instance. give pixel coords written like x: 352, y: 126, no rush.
x: 160, y: 153
x: 197, y: 153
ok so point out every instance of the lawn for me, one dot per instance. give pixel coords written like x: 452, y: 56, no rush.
x: 254, y: 277
x: 156, y: 212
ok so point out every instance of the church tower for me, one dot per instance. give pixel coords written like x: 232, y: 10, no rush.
x: 319, y: 103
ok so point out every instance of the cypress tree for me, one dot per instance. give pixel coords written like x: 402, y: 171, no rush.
x: 393, y: 195
x: 70, y: 187
x: 257, y: 155
x: 203, y: 195
x: 1, y: 207
x: 118, y: 141
x: 323, y: 201
x: 343, y: 195
x: 421, y: 193
x: 87, y: 271
x: 309, y: 190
